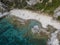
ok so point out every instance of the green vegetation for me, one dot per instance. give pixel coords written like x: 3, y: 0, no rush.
x: 45, y: 6
x: 49, y: 7
x: 58, y: 18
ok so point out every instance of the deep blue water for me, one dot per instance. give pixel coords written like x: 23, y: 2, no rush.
x: 10, y: 35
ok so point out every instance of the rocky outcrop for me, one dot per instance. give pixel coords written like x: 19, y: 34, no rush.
x: 33, y: 2
x: 57, y: 13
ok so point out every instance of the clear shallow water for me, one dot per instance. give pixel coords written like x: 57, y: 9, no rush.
x: 10, y: 35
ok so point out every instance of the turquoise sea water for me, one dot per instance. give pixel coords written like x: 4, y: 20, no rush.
x: 10, y: 35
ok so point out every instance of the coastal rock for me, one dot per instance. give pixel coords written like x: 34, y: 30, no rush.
x: 57, y: 13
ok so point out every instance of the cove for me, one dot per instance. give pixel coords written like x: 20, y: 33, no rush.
x: 11, y: 35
